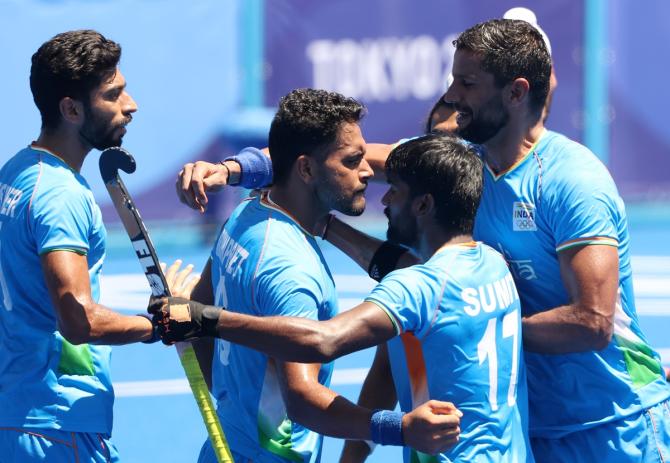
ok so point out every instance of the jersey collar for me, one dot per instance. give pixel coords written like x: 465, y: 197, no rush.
x: 513, y: 167
x: 266, y: 201
x: 446, y: 247
x: 35, y: 147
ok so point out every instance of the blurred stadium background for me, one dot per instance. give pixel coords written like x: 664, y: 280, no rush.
x: 207, y: 74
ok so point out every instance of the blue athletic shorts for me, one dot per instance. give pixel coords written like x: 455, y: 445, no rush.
x: 51, y: 446
x: 640, y: 438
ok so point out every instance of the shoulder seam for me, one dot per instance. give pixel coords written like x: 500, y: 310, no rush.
x: 258, y: 264
x: 32, y: 196
x: 439, y: 300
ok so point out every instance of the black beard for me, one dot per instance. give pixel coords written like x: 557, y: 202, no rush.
x: 479, y: 132
x: 100, y: 134
x: 491, y: 119
x: 100, y: 141
x: 406, y: 237
x: 338, y: 202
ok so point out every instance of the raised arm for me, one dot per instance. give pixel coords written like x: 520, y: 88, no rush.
x: 251, y: 168
x: 376, y: 155
x: 196, y: 179
x: 80, y: 318
x: 590, y: 274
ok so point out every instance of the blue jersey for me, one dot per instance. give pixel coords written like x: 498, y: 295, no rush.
x: 559, y: 196
x: 263, y: 264
x: 459, y: 321
x: 46, y: 382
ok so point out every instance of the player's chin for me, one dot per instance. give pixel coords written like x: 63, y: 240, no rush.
x: 355, y: 207
x: 109, y: 142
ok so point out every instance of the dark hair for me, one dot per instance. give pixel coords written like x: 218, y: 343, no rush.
x: 71, y: 64
x: 439, y: 104
x: 511, y: 48
x: 307, y: 122
x: 447, y: 168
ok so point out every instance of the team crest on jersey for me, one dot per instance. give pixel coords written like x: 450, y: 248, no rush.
x: 523, y: 217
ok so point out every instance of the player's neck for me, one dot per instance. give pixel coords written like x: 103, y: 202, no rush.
x: 301, y: 206
x: 68, y: 148
x: 512, y: 145
x: 434, y: 239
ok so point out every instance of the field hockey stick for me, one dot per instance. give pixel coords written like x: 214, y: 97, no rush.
x: 111, y: 160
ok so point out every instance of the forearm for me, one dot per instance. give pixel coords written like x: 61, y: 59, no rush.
x: 590, y: 276
x: 364, y: 249
x: 355, y: 451
x: 566, y: 329
x: 299, y: 339
x: 378, y: 392
x: 288, y: 338
x: 376, y: 155
x: 96, y: 324
x: 359, y: 246
x: 80, y: 318
x: 378, y: 389
x: 430, y: 428
x: 233, y: 172
x: 330, y: 414
x: 253, y: 169
x: 293, y: 339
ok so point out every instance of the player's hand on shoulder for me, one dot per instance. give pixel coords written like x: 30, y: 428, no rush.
x: 196, y: 179
x: 180, y: 281
x: 433, y: 427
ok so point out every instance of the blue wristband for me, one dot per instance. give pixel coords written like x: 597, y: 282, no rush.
x: 386, y: 427
x: 256, y: 168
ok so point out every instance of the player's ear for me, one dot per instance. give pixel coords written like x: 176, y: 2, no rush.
x: 423, y: 205
x: 71, y: 110
x: 518, y: 91
x: 305, y: 168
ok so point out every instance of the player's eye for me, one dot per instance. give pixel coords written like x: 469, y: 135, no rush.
x: 113, y: 95
x: 353, y: 161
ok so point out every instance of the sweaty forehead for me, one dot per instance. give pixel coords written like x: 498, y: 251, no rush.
x: 349, y: 135
x: 467, y: 64
x: 111, y: 80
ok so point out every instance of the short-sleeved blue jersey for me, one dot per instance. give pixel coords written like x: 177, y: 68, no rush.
x: 264, y: 263
x: 46, y: 382
x: 559, y: 196
x: 459, y: 321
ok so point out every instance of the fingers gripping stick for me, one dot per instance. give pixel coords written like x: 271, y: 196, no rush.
x: 111, y: 161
